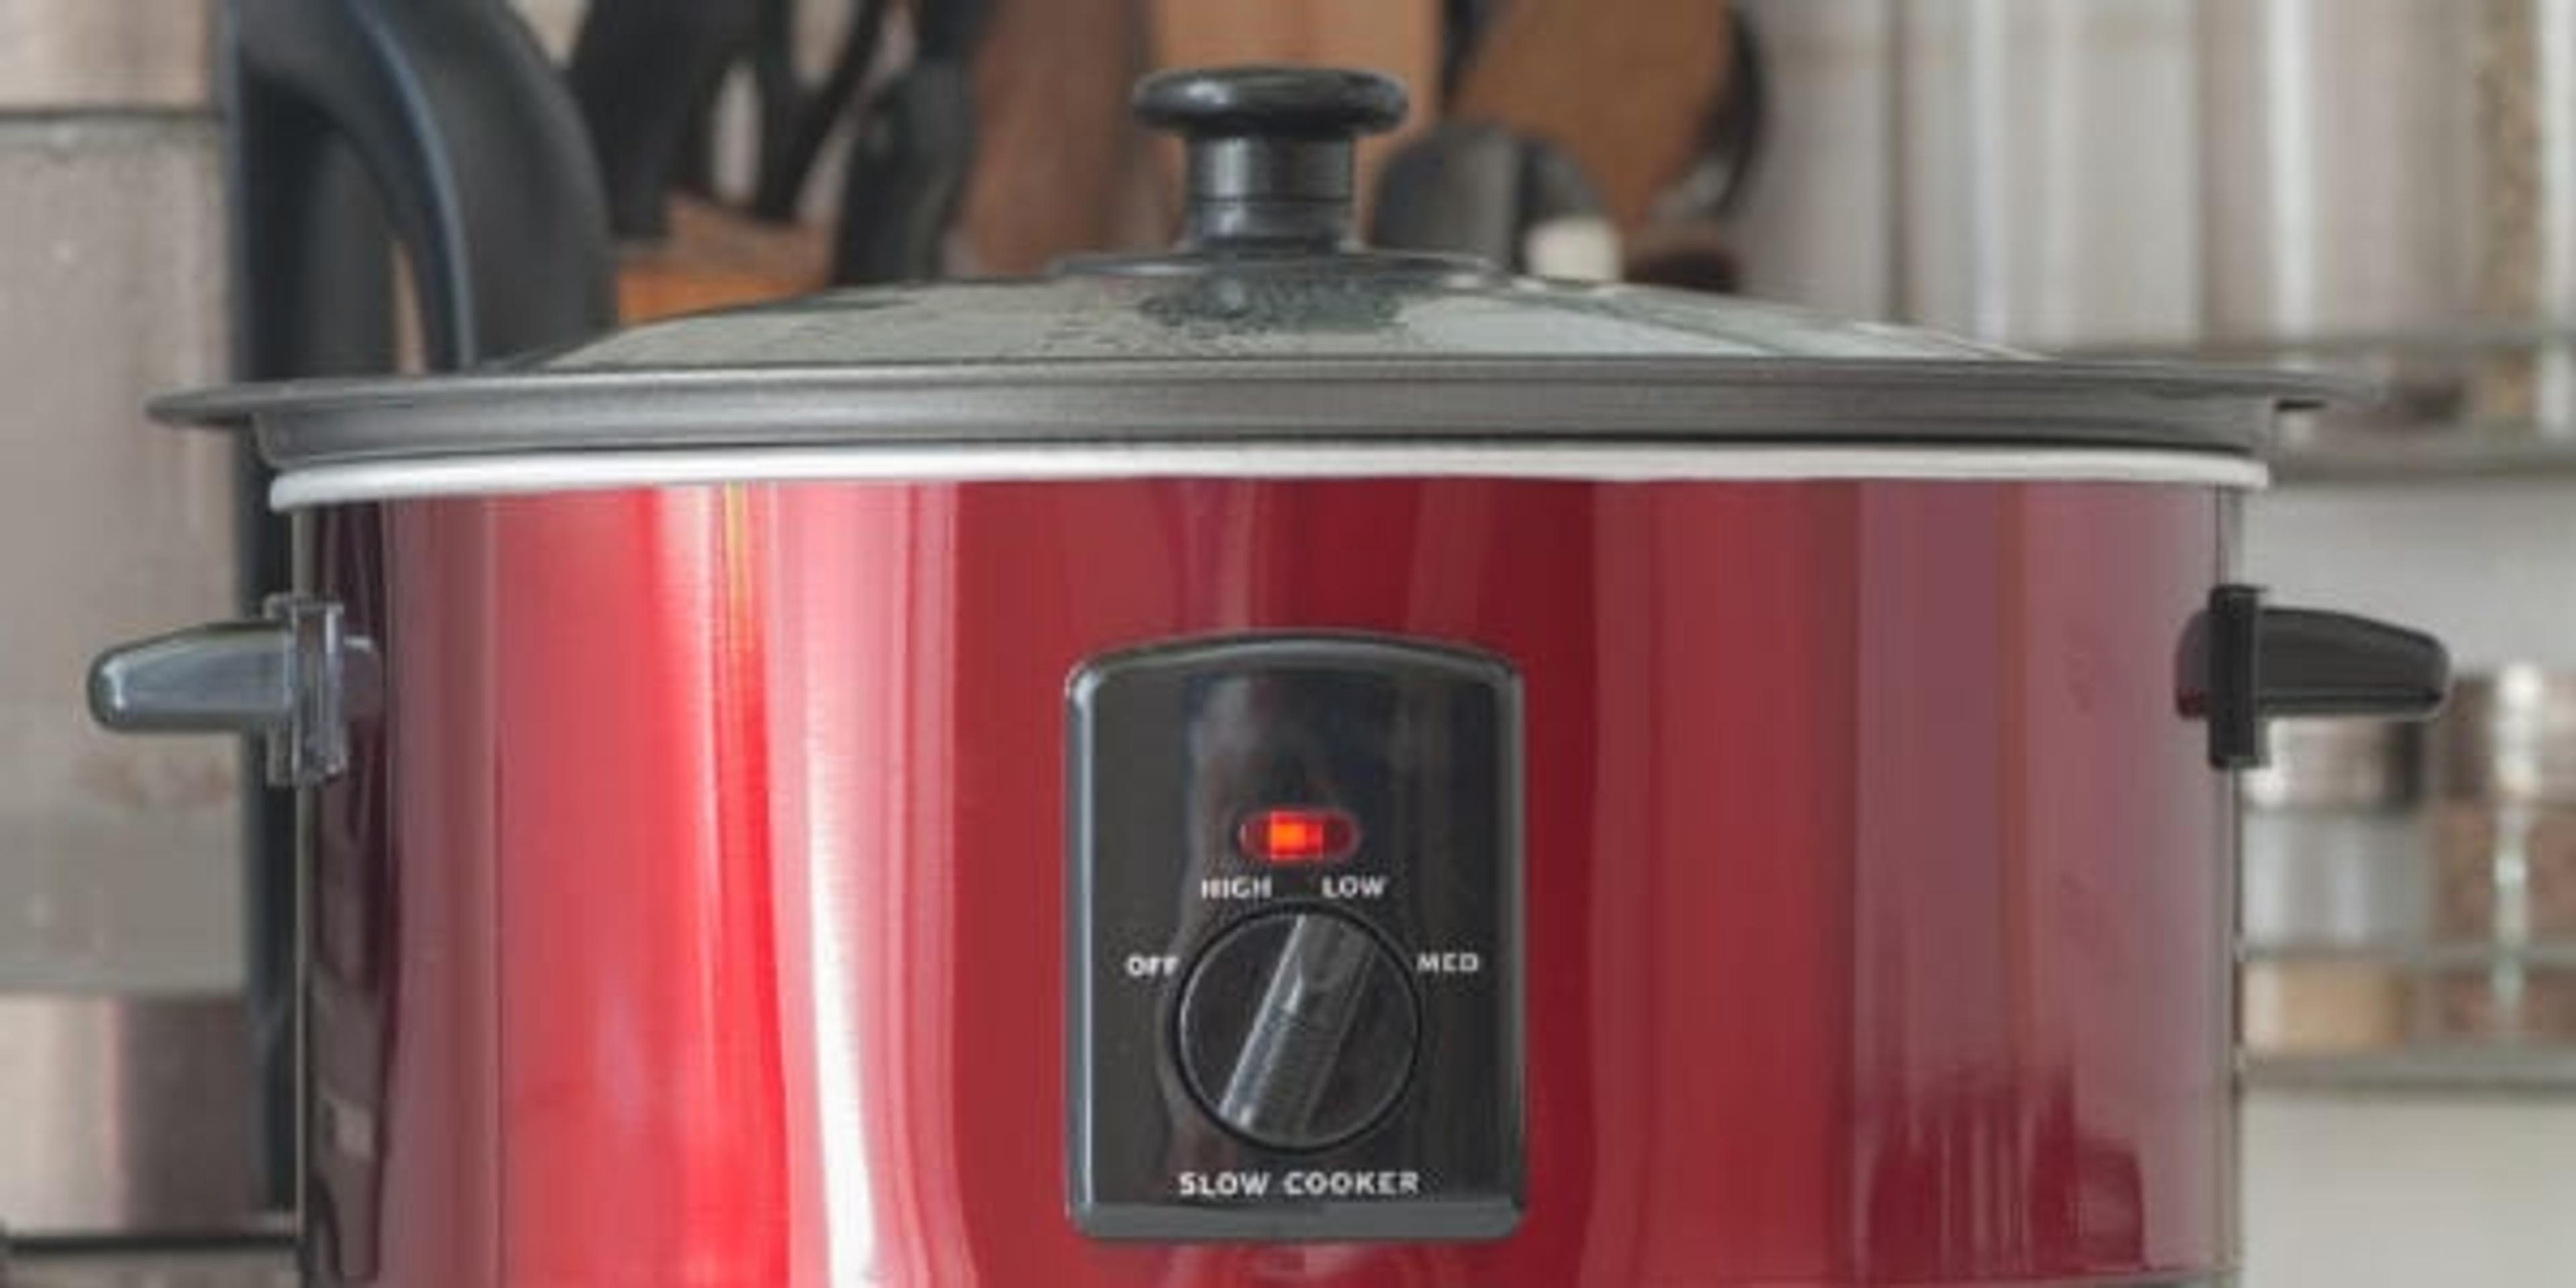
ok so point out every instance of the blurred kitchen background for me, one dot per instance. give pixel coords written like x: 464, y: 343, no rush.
x: 2386, y: 187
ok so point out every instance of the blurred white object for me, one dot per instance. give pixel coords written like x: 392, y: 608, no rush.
x: 2391, y: 185
x: 1576, y: 248
x: 1816, y: 219
x: 2336, y: 841
x: 2334, y: 182
x: 2337, y: 880
x: 2047, y: 170
x: 2018, y: 170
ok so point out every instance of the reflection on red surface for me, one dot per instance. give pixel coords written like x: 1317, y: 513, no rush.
x: 1876, y: 913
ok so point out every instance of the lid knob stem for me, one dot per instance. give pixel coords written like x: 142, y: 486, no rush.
x: 1270, y: 150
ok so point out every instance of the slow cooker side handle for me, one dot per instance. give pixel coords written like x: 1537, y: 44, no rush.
x: 295, y: 677
x: 2244, y: 663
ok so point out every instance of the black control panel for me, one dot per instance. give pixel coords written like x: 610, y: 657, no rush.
x: 1295, y: 1000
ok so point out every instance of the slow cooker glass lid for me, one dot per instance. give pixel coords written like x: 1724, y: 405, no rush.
x: 1266, y: 324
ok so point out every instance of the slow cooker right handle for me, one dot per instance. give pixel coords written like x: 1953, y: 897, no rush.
x: 2244, y: 663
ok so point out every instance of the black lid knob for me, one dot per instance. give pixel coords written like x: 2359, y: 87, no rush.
x: 1270, y: 162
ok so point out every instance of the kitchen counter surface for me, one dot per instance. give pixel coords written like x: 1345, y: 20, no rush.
x: 260, y: 1266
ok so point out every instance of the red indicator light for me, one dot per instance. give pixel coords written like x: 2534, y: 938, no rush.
x: 1297, y: 834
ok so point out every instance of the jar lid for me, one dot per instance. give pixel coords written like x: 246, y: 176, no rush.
x: 1266, y: 331
x: 2338, y: 765
x: 2510, y: 736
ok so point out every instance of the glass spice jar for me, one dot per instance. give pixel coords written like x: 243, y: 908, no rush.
x: 2505, y: 888
x: 2336, y: 887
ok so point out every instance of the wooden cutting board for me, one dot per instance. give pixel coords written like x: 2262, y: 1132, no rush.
x: 1059, y: 166
x: 1625, y: 86
x: 715, y: 258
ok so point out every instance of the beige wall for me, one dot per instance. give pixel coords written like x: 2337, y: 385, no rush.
x: 118, y: 856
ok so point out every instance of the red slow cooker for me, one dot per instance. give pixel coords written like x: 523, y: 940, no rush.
x: 1271, y: 764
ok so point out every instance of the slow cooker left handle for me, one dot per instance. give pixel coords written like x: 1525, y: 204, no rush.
x: 2245, y: 663
x: 295, y: 677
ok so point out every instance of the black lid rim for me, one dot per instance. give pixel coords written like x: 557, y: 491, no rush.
x: 1752, y: 401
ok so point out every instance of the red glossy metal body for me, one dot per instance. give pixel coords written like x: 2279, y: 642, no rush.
x: 695, y: 915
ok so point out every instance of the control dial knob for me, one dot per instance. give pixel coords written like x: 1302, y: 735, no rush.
x: 1297, y: 1029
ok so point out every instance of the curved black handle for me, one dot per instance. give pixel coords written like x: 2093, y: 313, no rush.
x: 1270, y: 149
x: 1477, y: 189
x: 440, y: 122
x: 1741, y: 125
x: 2243, y: 664
x: 909, y: 166
x: 639, y: 70
x: 474, y: 147
x: 795, y: 121
x: 906, y: 177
